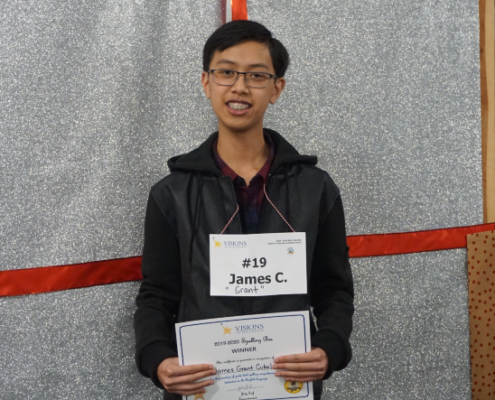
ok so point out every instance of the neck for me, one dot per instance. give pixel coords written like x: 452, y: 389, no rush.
x: 245, y: 153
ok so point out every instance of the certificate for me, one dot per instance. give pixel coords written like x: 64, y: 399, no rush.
x: 242, y: 350
x: 264, y: 264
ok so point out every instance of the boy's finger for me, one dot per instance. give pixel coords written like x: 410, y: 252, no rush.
x: 190, y: 388
x: 296, y: 358
x: 289, y: 358
x: 307, y: 366
x: 303, y: 376
x: 315, y: 355
x: 189, y: 378
x: 189, y: 369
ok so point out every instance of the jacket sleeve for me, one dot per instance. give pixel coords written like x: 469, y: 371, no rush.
x: 332, y: 293
x: 159, y: 294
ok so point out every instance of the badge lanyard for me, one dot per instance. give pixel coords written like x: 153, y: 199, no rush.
x: 273, y: 205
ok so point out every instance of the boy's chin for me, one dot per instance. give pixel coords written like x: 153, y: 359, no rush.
x: 240, y: 124
x: 241, y: 129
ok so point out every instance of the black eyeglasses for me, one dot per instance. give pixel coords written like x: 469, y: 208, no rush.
x: 227, y: 77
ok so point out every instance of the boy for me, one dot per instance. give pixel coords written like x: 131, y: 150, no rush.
x: 243, y: 180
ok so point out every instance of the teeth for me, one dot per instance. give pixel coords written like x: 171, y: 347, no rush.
x: 238, y: 106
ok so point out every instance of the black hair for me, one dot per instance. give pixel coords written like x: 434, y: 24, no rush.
x: 237, y: 32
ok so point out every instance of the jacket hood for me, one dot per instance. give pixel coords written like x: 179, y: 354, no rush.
x: 201, y: 159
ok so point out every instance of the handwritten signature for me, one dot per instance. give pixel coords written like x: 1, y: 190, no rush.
x: 246, y: 387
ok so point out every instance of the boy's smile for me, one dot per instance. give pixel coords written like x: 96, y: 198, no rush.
x: 240, y: 108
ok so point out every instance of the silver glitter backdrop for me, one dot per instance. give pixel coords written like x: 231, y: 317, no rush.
x: 411, y: 336
x: 96, y: 95
x: 71, y: 345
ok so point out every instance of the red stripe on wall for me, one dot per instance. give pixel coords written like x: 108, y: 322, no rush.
x: 51, y: 279
x: 387, y: 244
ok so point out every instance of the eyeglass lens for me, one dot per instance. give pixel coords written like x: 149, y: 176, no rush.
x: 228, y: 77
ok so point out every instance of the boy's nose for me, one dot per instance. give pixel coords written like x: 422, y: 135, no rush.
x: 240, y: 83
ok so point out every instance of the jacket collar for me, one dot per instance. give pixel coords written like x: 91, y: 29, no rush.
x: 201, y: 159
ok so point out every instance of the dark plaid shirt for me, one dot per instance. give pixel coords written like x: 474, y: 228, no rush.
x: 249, y: 198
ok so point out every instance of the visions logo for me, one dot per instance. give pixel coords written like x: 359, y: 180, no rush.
x: 230, y: 244
x: 249, y: 328
x: 238, y: 244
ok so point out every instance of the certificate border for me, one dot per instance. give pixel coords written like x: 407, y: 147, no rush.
x: 243, y: 318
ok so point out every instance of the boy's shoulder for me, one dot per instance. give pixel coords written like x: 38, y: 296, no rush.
x: 306, y: 164
x: 197, y: 160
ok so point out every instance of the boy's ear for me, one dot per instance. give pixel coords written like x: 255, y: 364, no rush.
x: 205, y: 81
x: 277, y: 90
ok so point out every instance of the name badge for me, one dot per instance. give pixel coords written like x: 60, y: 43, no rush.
x: 258, y: 265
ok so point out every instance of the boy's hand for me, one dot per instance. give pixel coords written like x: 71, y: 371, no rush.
x: 181, y: 380
x: 304, y: 367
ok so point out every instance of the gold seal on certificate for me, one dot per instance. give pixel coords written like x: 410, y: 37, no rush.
x: 242, y: 349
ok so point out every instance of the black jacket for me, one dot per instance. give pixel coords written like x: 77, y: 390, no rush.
x: 196, y: 200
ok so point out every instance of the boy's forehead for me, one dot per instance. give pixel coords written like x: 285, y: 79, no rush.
x: 247, y: 54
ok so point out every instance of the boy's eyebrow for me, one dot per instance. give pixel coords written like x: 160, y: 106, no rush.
x: 257, y: 65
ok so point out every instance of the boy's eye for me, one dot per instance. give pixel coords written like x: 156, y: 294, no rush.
x: 258, y: 76
x: 226, y: 72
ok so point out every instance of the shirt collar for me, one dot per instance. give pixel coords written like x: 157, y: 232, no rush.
x: 263, y: 172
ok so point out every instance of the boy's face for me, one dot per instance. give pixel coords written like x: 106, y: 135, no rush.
x: 228, y: 102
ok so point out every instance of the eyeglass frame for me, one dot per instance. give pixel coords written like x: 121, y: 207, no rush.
x: 275, y: 77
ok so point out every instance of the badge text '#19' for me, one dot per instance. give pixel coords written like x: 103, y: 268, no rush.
x: 246, y: 263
